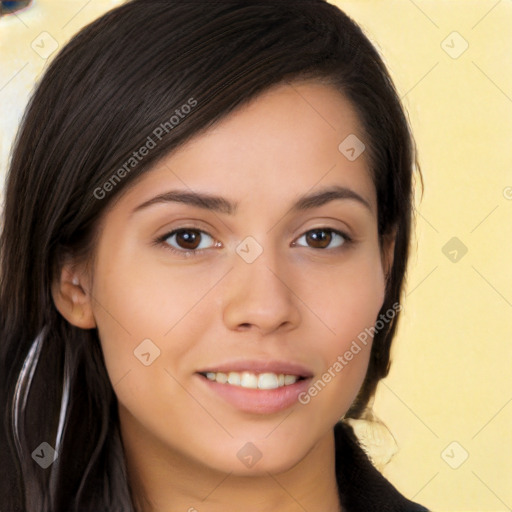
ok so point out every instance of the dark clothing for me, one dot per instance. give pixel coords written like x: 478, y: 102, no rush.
x: 362, y: 488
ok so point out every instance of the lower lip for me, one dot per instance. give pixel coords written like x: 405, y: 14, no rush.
x: 258, y: 401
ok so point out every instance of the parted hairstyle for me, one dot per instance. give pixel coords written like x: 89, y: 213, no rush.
x: 105, y: 92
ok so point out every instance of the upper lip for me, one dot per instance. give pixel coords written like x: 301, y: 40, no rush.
x: 261, y: 366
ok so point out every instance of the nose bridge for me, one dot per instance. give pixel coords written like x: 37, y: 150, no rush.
x: 258, y: 294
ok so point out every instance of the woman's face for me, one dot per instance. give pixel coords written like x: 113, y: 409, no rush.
x: 258, y: 283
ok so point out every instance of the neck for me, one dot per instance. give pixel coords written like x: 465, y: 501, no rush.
x: 164, y: 480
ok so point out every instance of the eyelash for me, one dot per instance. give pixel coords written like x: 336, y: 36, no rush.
x: 162, y: 241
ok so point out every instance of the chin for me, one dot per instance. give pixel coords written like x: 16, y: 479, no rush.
x: 274, y: 464
x: 258, y: 458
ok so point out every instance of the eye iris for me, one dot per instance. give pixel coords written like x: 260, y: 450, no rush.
x: 188, y: 239
x: 319, y: 236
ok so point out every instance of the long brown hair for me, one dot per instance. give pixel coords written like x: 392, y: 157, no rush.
x: 102, y: 96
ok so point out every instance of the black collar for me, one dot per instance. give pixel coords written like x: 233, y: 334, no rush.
x: 361, y: 487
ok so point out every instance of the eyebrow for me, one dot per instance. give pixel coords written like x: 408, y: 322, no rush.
x: 222, y: 205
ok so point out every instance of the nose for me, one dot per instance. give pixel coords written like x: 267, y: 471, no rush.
x: 259, y: 296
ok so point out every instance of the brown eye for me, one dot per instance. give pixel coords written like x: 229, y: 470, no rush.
x: 321, y: 238
x: 187, y: 239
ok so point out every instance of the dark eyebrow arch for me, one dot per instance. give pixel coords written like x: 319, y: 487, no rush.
x: 327, y: 195
x: 223, y: 205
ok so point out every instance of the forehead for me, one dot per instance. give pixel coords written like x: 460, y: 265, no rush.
x: 281, y: 144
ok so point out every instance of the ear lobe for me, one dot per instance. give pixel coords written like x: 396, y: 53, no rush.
x: 72, y: 300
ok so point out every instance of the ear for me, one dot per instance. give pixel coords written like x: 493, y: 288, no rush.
x: 388, y: 252
x: 72, y: 299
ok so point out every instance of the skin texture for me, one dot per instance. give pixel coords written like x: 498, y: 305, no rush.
x: 300, y: 300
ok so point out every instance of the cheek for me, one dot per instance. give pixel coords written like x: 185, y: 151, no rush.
x: 138, y: 299
x: 348, y: 299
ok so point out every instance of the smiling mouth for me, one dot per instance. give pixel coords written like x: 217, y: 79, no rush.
x: 250, y: 380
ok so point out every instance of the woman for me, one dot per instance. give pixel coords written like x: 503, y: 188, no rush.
x: 206, y: 233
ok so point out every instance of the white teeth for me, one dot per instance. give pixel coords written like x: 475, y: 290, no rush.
x: 289, y: 379
x: 234, y: 379
x: 252, y: 380
x: 249, y: 380
x: 221, y: 377
x: 267, y: 381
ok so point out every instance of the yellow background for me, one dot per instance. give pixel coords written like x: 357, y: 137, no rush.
x: 451, y: 377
